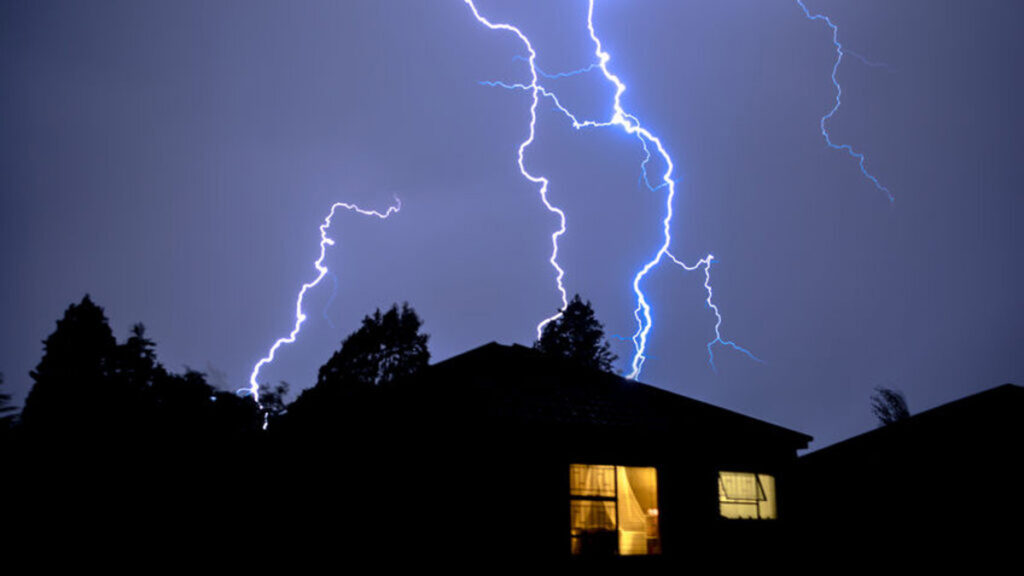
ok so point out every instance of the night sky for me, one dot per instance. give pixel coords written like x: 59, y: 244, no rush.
x: 174, y: 160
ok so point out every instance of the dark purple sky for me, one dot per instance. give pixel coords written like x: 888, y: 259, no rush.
x: 174, y: 159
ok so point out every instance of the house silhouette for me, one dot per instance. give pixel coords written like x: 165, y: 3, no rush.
x: 503, y: 451
x: 942, y: 483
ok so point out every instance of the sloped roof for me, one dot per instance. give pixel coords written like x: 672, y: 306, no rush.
x: 524, y: 385
x: 973, y: 419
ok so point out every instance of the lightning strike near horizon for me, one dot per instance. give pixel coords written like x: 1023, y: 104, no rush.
x: 300, y: 316
x: 632, y: 126
x: 839, y: 93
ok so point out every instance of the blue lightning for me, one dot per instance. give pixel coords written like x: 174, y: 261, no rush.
x: 559, y: 74
x: 631, y: 125
x: 839, y: 93
x: 300, y: 316
x: 706, y: 264
x: 536, y: 91
x: 864, y: 60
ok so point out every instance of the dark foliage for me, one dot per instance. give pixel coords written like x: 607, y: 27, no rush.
x: 577, y: 336
x: 136, y: 360
x: 108, y: 433
x: 272, y: 399
x: 7, y: 412
x: 74, y: 382
x: 88, y: 387
x: 889, y: 406
x: 386, y: 347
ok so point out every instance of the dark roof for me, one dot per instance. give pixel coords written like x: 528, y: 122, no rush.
x: 994, y: 415
x: 524, y: 385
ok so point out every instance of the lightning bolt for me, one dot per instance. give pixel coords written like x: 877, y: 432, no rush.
x: 705, y: 263
x: 536, y: 91
x: 839, y: 93
x: 300, y: 316
x: 864, y: 60
x: 559, y: 74
x: 631, y: 125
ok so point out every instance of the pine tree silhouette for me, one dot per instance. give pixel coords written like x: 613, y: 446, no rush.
x: 577, y: 336
x: 387, y: 347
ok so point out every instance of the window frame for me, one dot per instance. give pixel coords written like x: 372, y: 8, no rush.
x: 576, y: 539
x: 770, y: 499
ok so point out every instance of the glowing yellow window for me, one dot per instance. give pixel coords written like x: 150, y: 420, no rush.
x: 746, y: 495
x: 613, y: 510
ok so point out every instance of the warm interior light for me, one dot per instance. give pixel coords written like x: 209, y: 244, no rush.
x: 613, y: 510
x: 746, y: 495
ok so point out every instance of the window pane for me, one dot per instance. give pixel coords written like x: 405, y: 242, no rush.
x: 739, y: 486
x: 590, y: 480
x: 593, y: 527
x: 767, y: 506
x: 637, y: 501
x: 590, y: 515
x: 614, y: 510
x: 746, y: 495
x: 737, y: 510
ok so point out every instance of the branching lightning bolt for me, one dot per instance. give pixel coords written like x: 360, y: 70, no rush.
x: 631, y: 125
x: 536, y: 91
x: 559, y: 74
x: 300, y: 316
x: 643, y: 311
x: 864, y: 60
x: 706, y: 264
x: 839, y: 93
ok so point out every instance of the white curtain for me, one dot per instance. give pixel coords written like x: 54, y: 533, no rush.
x: 638, y: 509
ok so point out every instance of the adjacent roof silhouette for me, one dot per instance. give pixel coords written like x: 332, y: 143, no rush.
x: 985, y: 417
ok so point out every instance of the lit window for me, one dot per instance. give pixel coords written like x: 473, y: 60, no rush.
x: 613, y: 510
x: 746, y: 495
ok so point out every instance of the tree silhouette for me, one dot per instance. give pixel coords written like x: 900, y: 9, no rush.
x: 889, y: 406
x: 6, y: 410
x: 386, y: 347
x: 578, y: 336
x: 272, y: 399
x: 71, y: 381
x: 136, y: 360
x: 189, y: 410
x: 89, y: 388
